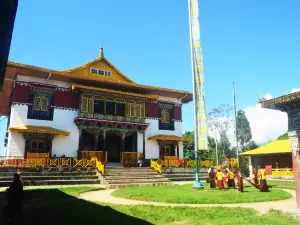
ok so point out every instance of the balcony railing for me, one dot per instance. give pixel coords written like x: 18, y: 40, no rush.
x: 130, y: 158
x: 100, y: 155
x: 98, y: 116
x: 281, y: 172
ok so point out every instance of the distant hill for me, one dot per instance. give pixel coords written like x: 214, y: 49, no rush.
x: 283, y: 137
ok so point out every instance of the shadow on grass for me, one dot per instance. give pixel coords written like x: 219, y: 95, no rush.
x: 51, y: 206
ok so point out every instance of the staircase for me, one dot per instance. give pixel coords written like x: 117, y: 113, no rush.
x: 128, y: 177
x: 184, y: 174
x: 39, y: 177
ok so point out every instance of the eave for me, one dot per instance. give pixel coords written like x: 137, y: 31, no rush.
x: 34, y: 71
x: 282, y: 103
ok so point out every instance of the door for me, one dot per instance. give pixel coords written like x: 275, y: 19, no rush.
x: 113, y: 146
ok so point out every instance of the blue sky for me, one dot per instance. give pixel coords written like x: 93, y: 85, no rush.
x: 255, y: 43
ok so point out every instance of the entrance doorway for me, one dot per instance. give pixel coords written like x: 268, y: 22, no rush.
x: 113, y: 146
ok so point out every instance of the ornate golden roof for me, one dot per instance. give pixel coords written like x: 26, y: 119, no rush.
x: 39, y: 130
x: 101, y: 63
x: 78, y: 86
x: 166, y: 137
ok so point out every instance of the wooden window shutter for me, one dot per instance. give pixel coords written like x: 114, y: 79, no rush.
x: 37, y: 103
x: 91, y: 105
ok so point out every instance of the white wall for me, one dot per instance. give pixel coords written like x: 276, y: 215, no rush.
x: 139, y: 142
x: 15, y: 145
x: 152, y: 148
x: 167, y: 99
x: 62, y: 120
x: 43, y: 81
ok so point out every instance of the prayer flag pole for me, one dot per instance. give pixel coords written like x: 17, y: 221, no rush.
x: 200, y: 129
x: 235, y: 126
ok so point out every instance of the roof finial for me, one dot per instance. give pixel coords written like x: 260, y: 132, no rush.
x: 101, y: 51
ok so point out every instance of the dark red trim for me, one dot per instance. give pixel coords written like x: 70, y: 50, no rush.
x: 152, y: 109
x: 112, y: 124
x: 21, y: 93
x: 66, y: 99
x: 177, y: 112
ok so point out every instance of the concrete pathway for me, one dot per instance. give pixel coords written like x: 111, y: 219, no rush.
x: 105, y: 196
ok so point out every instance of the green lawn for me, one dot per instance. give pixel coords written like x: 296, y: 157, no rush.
x: 282, y: 184
x: 185, y: 194
x: 61, y: 207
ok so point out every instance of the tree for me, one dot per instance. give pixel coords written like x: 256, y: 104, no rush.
x: 189, y: 151
x: 244, y: 134
x: 219, y: 122
x: 250, y: 146
x: 283, y: 137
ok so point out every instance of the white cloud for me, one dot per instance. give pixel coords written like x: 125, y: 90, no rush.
x: 266, y: 124
x: 295, y: 90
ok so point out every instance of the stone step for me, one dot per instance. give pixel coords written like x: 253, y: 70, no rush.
x: 107, y: 177
x: 53, y: 169
x: 184, y: 174
x: 137, y: 181
x: 37, y: 178
x: 130, y: 173
x: 130, y: 169
x: 75, y: 173
x: 115, y: 186
x: 52, y: 182
x: 181, y: 178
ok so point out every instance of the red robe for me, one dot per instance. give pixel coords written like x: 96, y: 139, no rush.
x: 212, y: 181
x: 240, y: 182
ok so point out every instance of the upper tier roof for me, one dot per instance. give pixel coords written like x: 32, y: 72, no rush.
x: 274, y: 147
x: 117, y: 80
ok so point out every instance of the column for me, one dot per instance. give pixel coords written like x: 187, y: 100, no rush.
x: 144, y: 144
x: 123, y: 135
x: 104, y: 145
x: 294, y: 137
x: 177, y: 149
x: 250, y: 165
x: 79, y: 144
x: 96, y: 146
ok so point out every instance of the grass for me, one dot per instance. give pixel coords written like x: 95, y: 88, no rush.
x: 185, y: 194
x: 282, y: 184
x: 61, y: 207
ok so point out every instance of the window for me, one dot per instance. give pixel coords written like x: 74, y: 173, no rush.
x: 94, y: 71
x: 140, y: 110
x: 165, y: 117
x: 99, y: 106
x: 120, y: 109
x: 40, y: 103
x: 87, y: 103
x: 110, y: 107
x: 129, y: 109
x: 41, y: 106
x: 37, y: 145
x: 100, y: 72
x: 166, y: 121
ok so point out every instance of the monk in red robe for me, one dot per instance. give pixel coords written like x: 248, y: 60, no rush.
x: 263, y: 186
x: 231, y: 182
x: 212, y: 177
x: 254, y: 176
x: 219, y: 178
x: 240, y: 181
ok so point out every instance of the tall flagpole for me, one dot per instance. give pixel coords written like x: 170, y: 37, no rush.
x: 200, y: 129
x: 235, y: 126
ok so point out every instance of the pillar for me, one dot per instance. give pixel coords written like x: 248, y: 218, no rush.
x: 250, y: 165
x: 79, y: 144
x: 177, y: 149
x: 96, y: 146
x: 294, y: 137
x: 144, y: 150
x: 104, y: 145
